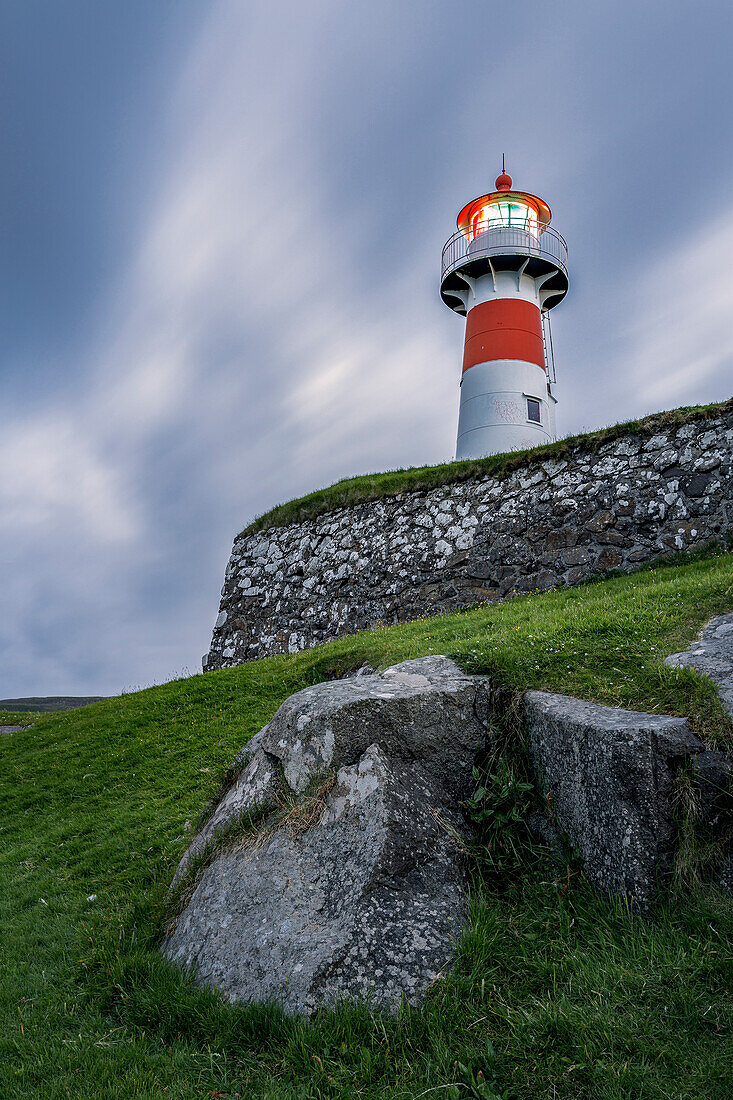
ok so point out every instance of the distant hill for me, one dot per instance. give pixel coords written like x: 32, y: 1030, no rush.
x: 48, y: 703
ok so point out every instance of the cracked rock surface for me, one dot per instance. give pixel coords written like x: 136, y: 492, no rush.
x: 610, y: 774
x: 368, y: 902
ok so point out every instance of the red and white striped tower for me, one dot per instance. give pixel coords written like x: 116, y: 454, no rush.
x: 503, y: 270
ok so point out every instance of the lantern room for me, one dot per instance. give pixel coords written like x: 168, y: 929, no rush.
x: 504, y: 209
x: 504, y: 230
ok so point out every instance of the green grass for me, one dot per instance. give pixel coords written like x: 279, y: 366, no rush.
x: 358, y: 490
x: 19, y: 717
x: 577, y: 999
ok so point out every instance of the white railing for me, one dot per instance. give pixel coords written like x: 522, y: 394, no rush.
x: 490, y: 239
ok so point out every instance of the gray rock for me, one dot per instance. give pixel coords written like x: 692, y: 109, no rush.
x: 332, y: 724
x: 368, y: 902
x: 712, y: 654
x: 610, y: 774
x: 545, y: 832
x: 713, y: 772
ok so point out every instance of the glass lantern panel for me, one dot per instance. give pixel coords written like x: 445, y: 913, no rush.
x: 504, y: 214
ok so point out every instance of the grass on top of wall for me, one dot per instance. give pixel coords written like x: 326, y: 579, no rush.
x: 555, y: 992
x: 359, y: 490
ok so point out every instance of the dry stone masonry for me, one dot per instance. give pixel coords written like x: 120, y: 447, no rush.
x: 548, y: 523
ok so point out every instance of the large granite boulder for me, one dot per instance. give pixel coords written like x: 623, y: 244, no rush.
x: 330, y: 866
x: 349, y: 887
x: 610, y: 776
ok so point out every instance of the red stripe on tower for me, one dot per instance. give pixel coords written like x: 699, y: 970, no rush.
x: 505, y: 328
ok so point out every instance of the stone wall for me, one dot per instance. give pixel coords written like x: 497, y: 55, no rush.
x: 547, y: 524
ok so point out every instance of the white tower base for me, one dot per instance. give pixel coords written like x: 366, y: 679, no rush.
x: 495, y: 408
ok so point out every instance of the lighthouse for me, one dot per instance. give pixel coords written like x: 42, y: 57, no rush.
x: 503, y: 270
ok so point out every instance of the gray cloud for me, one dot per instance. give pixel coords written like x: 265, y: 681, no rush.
x: 275, y: 324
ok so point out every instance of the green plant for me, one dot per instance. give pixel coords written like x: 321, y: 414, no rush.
x: 699, y: 855
x: 479, y: 1078
x: 499, y: 809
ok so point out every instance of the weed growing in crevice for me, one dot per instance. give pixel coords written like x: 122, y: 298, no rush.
x: 514, y: 823
x: 699, y: 854
x: 299, y: 812
x: 499, y: 809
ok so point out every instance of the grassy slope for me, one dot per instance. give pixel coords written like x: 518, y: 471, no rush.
x: 579, y: 1000
x: 358, y: 490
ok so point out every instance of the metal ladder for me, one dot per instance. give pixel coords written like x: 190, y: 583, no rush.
x: 549, y: 351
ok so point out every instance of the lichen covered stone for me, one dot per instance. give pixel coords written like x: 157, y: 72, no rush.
x: 368, y: 902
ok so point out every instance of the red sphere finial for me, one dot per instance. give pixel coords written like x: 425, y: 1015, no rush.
x: 504, y: 180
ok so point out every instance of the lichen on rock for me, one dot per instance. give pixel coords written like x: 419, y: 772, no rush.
x: 368, y: 903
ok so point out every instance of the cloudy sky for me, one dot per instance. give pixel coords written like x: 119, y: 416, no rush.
x: 220, y: 236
